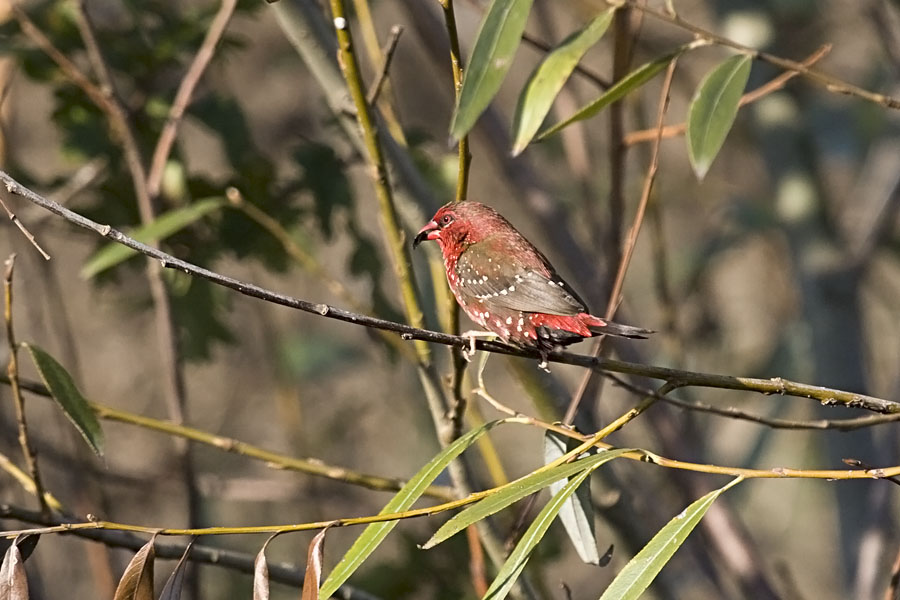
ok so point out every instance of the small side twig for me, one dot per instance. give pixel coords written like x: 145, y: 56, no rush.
x: 12, y: 217
x: 12, y: 370
x: 387, y: 55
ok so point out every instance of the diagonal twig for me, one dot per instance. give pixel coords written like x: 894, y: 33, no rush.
x: 775, y: 385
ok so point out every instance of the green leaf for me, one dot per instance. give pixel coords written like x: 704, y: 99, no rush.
x: 495, y: 45
x: 514, y: 565
x: 630, y: 82
x: 632, y: 580
x: 63, y: 390
x: 517, y: 490
x: 373, y: 535
x: 549, y: 77
x: 164, y: 226
x: 577, y: 514
x: 713, y: 109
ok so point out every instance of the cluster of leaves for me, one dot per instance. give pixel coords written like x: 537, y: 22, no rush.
x: 194, y: 216
x: 710, y: 116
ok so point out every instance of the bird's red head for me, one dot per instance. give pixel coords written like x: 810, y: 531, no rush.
x: 458, y: 225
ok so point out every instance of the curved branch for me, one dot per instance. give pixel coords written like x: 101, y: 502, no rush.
x: 775, y: 385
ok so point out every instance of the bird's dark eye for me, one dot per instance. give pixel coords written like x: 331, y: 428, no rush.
x: 446, y: 220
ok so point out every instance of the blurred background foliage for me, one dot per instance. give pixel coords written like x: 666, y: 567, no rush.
x: 784, y: 261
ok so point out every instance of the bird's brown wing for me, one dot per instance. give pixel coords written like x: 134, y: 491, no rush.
x: 508, y: 284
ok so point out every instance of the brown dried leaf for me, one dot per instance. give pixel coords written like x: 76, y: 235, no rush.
x: 261, y: 573
x: 313, y: 576
x: 13, y: 583
x: 137, y: 581
x: 173, y: 587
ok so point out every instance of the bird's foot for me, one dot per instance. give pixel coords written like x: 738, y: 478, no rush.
x: 543, y: 364
x: 469, y: 352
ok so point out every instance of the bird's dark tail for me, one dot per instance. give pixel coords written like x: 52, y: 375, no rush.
x: 609, y: 328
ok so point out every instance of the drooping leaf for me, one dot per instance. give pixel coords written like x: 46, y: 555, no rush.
x: 137, y: 581
x: 261, y: 573
x: 13, y: 581
x: 515, y: 491
x: 65, y: 393
x: 577, y: 514
x: 162, y: 227
x: 314, y: 556
x: 495, y: 45
x: 640, y: 571
x: 518, y: 558
x: 713, y: 110
x: 627, y: 84
x: 549, y: 77
x: 175, y: 583
x: 375, y: 533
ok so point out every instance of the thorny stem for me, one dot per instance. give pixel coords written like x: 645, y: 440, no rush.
x: 12, y: 371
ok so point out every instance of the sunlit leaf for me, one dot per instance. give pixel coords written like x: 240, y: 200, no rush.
x: 514, y: 565
x: 577, y: 514
x: 13, y: 581
x: 627, y: 84
x: 137, y: 581
x: 515, y: 491
x: 175, y: 583
x: 496, y: 44
x: 373, y: 535
x: 549, y: 77
x: 313, y: 576
x: 164, y: 226
x: 634, y: 578
x: 713, y: 110
x: 65, y: 393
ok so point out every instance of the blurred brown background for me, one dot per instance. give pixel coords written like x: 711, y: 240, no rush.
x: 785, y: 262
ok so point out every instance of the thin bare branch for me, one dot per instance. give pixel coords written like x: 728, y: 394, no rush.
x: 185, y: 93
x: 387, y: 55
x: 775, y: 385
x: 12, y: 217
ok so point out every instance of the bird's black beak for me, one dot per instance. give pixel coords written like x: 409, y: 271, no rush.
x: 429, y: 232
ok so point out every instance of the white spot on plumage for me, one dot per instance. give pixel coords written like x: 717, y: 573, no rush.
x: 512, y: 288
x: 503, y: 292
x: 509, y: 320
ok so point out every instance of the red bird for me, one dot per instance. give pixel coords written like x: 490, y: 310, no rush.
x: 506, y: 285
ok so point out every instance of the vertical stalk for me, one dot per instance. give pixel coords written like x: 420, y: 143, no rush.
x: 396, y: 240
x: 12, y: 370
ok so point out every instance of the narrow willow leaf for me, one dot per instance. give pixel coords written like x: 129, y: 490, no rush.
x: 137, y: 581
x: 515, y: 491
x: 577, y: 514
x: 514, y: 565
x: 175, y: 583
x: 630, y: 82
x: 164, y: 226
x: 632, y: 580
x: 373, y: 535
x: 713, y: 110
x: 66, y: 394
x: 549, y: 77
x: 13, y: 581
x: 261, y: 573
x: 314, y: 557
x: 495, y: 45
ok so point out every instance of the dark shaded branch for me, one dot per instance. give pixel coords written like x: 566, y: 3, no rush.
x: 284, y: 573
